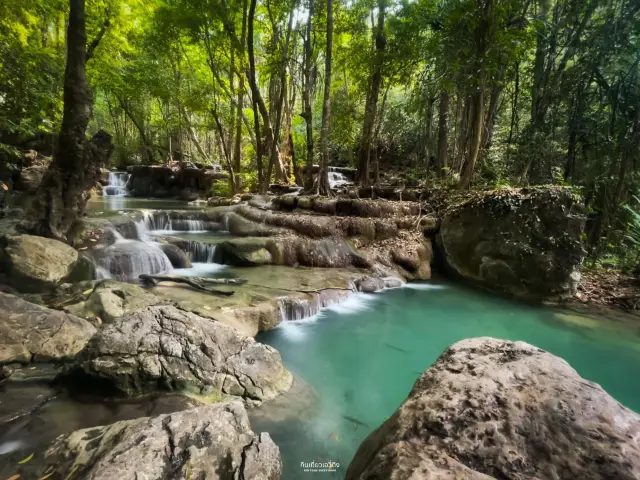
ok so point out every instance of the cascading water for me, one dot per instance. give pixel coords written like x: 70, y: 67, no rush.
x: 167, y: 223
x: 117, y: 186
x: 292, y: 309
x: 200, y: 252
x: 338, y: 180
x: 128, y: 259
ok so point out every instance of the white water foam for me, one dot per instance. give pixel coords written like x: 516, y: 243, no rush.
x: 200, y: 269
x: 423, y: 286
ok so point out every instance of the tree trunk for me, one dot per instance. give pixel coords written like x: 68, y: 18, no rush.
x: 307, y: 89
x: 275, y: 157
x: 323, y: 173
x: 474, y: 141
x: 372, y: 99
x: 443, y: 111
x: 239, y: 103
x: 258, y: 103
x: 75, y: 168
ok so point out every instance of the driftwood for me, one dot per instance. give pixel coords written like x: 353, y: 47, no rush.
x: 199, y: 283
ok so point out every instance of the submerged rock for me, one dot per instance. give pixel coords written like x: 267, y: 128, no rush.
x: 166, y: 348
x: 36, y: 264
x: 31, y: 333
x: 491, y: 408
x: 523, y: 242
x: 213, y: 442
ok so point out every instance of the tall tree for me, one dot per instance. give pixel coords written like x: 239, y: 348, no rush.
x: 75, y: 168
x: 323, y: 173
x: 307, y: 88
x: 372, y: 97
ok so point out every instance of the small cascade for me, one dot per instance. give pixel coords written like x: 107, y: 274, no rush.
x: 292, y: 309
x: 128, y: 259
x: 117, y: 186
x: 200, y: 252
x: 338, y: 180
x: 167, y: 223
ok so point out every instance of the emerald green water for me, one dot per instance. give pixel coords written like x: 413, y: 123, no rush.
x: 363, y: 357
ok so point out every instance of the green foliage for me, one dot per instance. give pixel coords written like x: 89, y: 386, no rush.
x: 221, y: 188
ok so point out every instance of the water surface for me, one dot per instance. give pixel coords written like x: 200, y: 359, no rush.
x: 363, y: 357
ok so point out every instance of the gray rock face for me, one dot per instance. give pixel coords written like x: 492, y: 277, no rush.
x: 35, y: 264
x: 111, y: 299
x: 523, y: 242
x: 491, y: 408
x: 177, y: 257
x: 29, y: 332
x: 163, y: 347
x: 212, y: 442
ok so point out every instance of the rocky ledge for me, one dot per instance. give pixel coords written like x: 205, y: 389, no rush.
x: 523, y: 242
x: 491, y: 408
x: 213, y: 442
x: 164, y: 348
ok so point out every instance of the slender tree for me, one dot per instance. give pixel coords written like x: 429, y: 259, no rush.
x: 323, y: 173
x: 372, y: 97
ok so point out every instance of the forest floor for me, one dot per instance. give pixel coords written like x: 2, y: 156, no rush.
x: 611, y: 289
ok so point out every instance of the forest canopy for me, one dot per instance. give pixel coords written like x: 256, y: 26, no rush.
x: 465, y: 93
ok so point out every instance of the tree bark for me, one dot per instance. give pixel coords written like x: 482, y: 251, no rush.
x: 443, y: 112
x: 372, y: 98
x: 239, y: 102
x: 75, y: 168
x: 323, y: 173
x: 307, y: 89
x: 474, y: 141
x: 258, y: 102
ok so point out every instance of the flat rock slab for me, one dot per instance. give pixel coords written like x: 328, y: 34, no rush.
x: 491, y: 408
x: 164, y: 348
x: 212, y: 442
x: 31, y: 333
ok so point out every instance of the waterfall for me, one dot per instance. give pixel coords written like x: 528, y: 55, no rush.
x: 128, y: 259
x: 117, y: 186
x: 292, y: 309
x: 200, y: 252
x: 337, y: 180
x: 167, y: 223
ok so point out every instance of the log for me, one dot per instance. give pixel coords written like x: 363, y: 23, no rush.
x: 194, y: 282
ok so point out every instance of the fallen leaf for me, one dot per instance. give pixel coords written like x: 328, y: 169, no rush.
x: 46, y: 476
x: 206, y: 308
x: 4, y: 187
x: 22, y: 462
x: 87, y: 292
x: 15, y: 477
x: 93, y: 240
x: 83, y: 248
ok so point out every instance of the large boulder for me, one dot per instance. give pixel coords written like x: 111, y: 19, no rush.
x: 31, y: 333
x: 36, y: 264
x: 167, y: 348
x: 524, y: 242
x: 110, y: 299
x: 491, y: 408
x: 212, y: 442
x: 177, y: 256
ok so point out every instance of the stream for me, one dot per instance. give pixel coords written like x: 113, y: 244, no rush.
x: 363, y: 356
x: 359, y: 358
